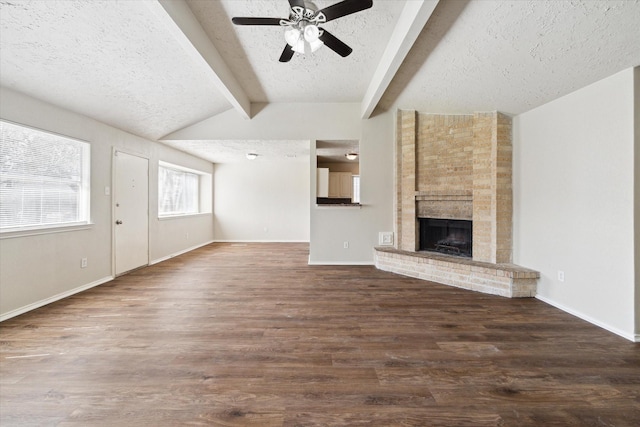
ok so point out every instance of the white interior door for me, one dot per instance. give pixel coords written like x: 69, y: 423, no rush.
x: 131, y: 212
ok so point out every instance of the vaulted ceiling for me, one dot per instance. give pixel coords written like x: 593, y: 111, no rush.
x: 152, y: 67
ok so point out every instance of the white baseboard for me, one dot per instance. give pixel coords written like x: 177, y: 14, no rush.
x: 630, y: 336
x: 260, y: 241
x: 41, y: 303
x: 341, y: 263
x: 173, y: 255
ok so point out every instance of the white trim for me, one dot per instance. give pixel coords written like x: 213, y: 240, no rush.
x: 58, y: 297
x: 259, y: 241
x: 630, y: 336
x: 175, y: 254
x: 339, y: 206
x: 61, y: 135
x: 180, y: 168
x: 205, y: 180
x: 114, y: 154
x: 83, y: 197
x: 372, y: 263
x: 47, y: 230
x: 183, y: 216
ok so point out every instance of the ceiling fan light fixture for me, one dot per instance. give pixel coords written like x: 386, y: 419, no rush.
x: 252, y: 156
x: 299, y: 46
x: 306, y: 40
x: 292, y: 36
x: 302, y: 26
x: 351, y: 156
x: 311, y: 33
x: 311, y: 36
x: 315, y: 45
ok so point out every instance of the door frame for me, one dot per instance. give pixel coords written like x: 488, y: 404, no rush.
x: 114, y: 152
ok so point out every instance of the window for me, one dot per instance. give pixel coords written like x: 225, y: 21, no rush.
x: 44, y: 179
x: 182, y: 191
x: 356, y: 189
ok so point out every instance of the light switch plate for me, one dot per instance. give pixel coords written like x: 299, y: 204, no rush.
x: 385, y: 238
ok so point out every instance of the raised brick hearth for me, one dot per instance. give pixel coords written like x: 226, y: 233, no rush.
x: 457, y: 167
x: 507, y: 280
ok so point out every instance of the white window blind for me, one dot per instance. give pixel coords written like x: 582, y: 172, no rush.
x: 178, y: 192
x: 44, y: 179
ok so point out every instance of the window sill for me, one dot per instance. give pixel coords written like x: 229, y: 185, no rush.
x: 41, y: 231
x: 170, y: 217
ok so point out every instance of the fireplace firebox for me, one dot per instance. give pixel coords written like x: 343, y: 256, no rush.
x: 448, y: 236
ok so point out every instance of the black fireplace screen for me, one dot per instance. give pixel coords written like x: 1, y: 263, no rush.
x: 449, y: 236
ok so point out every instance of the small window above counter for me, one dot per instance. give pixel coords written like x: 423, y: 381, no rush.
x: 338, y: 173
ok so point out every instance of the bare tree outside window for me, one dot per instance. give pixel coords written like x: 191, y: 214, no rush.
x: 44, y: 178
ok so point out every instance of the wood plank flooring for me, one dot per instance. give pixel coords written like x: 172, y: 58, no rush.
x: 250, y: 335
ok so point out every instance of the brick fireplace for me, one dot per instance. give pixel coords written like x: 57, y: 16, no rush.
x: 456, y: 167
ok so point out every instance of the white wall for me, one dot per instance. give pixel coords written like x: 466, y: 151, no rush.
x: 574, y: 201
x: 171, y: 236
x: 636, y: 87
x: 262, y: 200
x: 279, y: 121
x: 329, y: 227
x: 38, y: 269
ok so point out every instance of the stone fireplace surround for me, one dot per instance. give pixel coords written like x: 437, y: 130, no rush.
x: 457, y: 167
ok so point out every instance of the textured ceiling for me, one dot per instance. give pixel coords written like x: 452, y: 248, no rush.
x: 252, y: 52
x: 217, y: 151
x: 235, y: 151
x: 151, y: 67
x: 335, y: 151
x: 111, y: 60
x: 513, y: 56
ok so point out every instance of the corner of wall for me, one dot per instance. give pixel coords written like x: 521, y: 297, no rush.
x: 636, y: 196
x: 578, y: 275
x: 406, y: 151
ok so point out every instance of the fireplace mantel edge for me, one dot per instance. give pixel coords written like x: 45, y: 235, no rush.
x: 507, y: 280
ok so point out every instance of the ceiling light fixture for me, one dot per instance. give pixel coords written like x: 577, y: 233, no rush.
x: 251, y: 156
x: 303, y: 37
x: 303, y: 32
x: 351, y: 156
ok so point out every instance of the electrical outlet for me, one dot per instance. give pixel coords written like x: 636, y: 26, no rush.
x: 561, y: 275
x: 345, y: 245
x: 83, y: 263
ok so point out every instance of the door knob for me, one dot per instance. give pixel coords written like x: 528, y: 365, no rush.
x: 118, y: 222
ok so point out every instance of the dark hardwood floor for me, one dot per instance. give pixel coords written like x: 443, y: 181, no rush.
x: 250, y: 335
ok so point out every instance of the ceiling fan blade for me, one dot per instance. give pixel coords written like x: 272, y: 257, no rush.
x: 335, y: 44
x: 287, y: 54
x: 344, y: 8
x: 256, y: 21
x: 299, y: 3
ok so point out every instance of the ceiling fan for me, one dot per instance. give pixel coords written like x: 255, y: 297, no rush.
x: 303, y: 30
